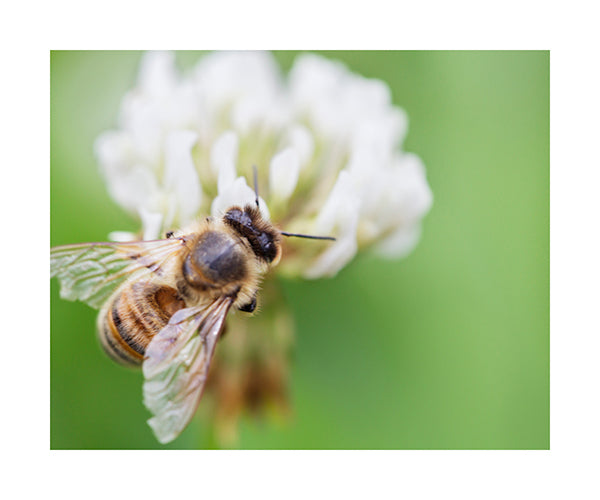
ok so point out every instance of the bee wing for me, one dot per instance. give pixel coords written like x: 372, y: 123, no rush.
x: 176, y: 366
x: 91, y: 271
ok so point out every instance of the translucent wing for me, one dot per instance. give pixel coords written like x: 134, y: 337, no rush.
x: 91, y: 271
x: 177, y: 363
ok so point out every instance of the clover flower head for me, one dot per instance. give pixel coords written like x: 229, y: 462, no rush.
x: 326, y: 144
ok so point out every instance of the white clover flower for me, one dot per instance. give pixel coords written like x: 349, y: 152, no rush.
x: 326, y: 143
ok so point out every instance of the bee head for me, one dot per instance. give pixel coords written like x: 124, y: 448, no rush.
x: 263, y: 238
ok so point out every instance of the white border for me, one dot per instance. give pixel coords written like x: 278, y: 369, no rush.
x: 31, y: 30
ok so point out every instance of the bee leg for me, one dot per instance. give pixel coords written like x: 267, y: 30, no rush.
x: 250, y: 307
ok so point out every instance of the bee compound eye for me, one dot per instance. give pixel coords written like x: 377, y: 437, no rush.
x: 267, y: 247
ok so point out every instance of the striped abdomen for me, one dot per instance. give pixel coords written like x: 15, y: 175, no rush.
x: 134, y: 316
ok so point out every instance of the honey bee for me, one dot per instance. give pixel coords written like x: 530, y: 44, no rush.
x: 163, y: 303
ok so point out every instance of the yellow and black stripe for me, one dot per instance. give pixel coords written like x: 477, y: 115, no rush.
x: 137, y: 314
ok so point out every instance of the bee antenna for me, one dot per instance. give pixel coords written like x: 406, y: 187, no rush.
x: 310, y: 236
x: 255, y: 173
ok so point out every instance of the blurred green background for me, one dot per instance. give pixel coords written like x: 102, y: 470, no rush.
x: 448, y: 348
